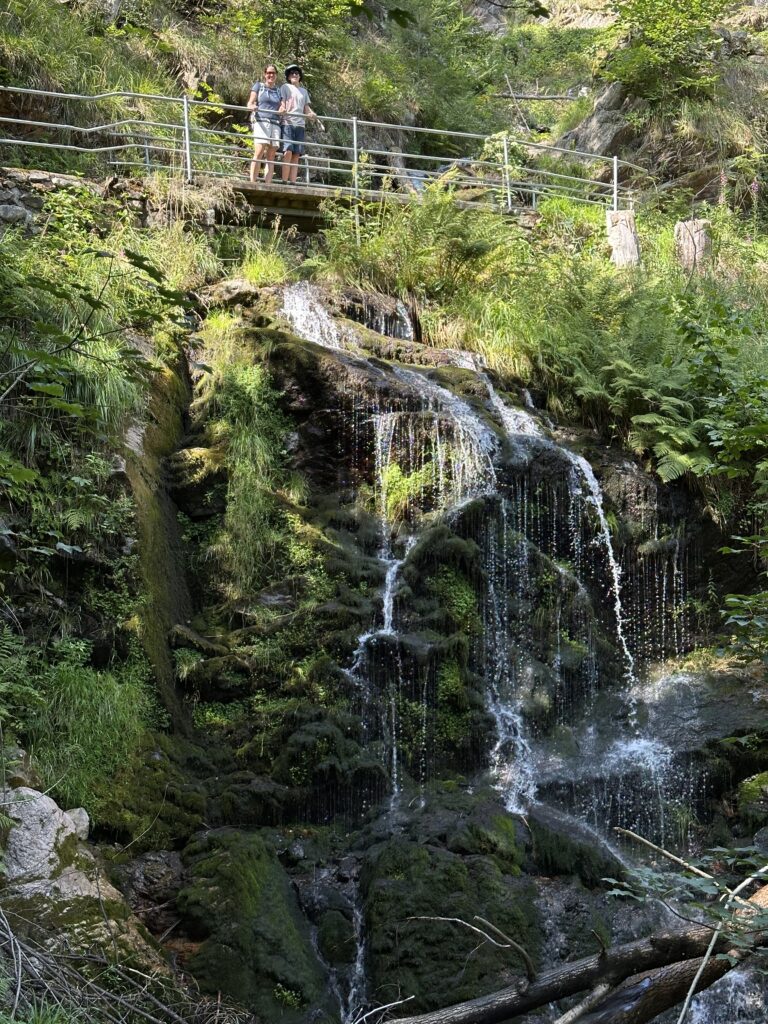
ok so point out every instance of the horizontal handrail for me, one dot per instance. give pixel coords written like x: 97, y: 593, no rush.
x: 217, y: 150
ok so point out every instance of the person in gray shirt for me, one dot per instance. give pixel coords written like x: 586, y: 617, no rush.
x: 293, y: 109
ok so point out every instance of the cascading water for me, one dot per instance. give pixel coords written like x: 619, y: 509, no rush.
x: 447, y: 453
x: 742, y: 992
x: 551, y: 651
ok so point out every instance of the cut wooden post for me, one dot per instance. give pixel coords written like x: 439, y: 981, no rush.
x: 693, y: 243
x: 622, y: 236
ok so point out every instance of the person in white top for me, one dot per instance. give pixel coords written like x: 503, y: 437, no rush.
x: 293, y: 109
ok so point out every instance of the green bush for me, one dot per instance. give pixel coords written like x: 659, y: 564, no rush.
x: 671, y: 47
x: 88, y: 724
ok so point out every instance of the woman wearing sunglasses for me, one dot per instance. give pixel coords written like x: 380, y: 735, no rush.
x: 294, y: 107
x: 264, y: 102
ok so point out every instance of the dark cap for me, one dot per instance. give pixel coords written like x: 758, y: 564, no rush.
x: 294, y: 67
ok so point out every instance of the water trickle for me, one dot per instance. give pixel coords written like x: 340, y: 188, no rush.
x: 738, y: 998
x: 305, y: 310
x: 358, y: 990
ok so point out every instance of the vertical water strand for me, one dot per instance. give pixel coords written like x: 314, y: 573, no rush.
x: 595, y: 498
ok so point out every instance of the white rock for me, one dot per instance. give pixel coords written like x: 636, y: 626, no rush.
x: 81, y: 821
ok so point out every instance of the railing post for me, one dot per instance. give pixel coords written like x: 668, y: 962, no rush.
x: 507, y: 183
x: 187, y: 141
x: 146, y: 155
x: 615, y: 184
x: 355, y: 178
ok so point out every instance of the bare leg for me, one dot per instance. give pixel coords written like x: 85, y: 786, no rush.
x: 286, y: 168
x: 270, y: 165
x: 258, y: 154
x: 295, y: 167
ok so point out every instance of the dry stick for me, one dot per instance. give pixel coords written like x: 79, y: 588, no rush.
x: 663, y: 852
x: 519, y: 108
x: 508, y: 944
x: 710, y: 949
x: 17, y: 967
x: 681, y: 862
x: 595, y: 996
x: 380, y: 1009
x: 529, y: 965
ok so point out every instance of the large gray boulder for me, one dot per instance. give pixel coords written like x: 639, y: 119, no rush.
x: 606, y: 129
x: 55, y: 889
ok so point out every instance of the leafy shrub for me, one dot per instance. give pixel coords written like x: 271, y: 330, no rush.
x: 86, y: 725
x: 671, y: 45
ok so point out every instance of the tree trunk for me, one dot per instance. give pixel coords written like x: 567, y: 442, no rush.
x: 693, y: 243
x: 622, y: 236
x: 653, y: 974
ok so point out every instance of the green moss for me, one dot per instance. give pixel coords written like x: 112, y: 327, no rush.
x: 753, y: 799
x: 165, y: 595
x: 434, y: 961
x: 402, y: 491
x: 158, y: 801
x: 556, y: 853
x: 457, y: 595
x: 256, y: 945
x: 336, y: 938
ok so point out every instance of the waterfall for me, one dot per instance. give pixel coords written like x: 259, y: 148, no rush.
x: 434, y: 454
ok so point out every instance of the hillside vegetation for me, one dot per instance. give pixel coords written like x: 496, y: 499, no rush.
x: 100, y: 319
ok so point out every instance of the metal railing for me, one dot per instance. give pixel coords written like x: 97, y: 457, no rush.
x: 364, y: 159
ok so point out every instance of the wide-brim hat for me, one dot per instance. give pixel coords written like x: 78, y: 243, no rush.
x: 294, y: 67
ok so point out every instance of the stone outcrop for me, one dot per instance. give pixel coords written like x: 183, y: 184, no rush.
x: 606, y: 129
x: 23, y: 196
x: 55, y: 887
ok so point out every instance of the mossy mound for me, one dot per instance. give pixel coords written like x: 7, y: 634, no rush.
x: 434, y: 961
x: 255, y: 944
x: 563, y: 846
x: 753, y: 800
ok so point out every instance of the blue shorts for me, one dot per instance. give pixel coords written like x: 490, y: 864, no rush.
x: 293, y: 136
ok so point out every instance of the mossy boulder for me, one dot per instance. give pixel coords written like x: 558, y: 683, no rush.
x: 753, y: 800
x: 564, y: 846
x: 405, y: 882
x: 255, y: 945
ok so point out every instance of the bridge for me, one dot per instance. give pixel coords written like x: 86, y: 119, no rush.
x: 138, y: 134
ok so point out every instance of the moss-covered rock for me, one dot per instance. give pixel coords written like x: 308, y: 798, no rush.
x: 563, y: 846
x: 753, y: 800
x: 434, y: 960
x: 255, y: 944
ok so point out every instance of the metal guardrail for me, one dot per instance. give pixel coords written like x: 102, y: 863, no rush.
x: 361, y: 158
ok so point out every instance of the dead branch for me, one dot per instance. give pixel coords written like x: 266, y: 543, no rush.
x: 644, y: 977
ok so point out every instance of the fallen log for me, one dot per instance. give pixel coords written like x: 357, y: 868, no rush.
x: 646, y: 977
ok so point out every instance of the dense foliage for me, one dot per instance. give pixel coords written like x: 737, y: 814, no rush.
x: 672, y: 47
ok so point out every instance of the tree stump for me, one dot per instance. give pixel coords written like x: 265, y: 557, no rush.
x: 693, y: 243
x: 622, y: 236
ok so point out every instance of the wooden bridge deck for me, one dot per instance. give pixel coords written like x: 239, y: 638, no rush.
x: 299, y: 204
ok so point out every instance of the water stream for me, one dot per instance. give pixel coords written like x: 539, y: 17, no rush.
x: 545, y: 543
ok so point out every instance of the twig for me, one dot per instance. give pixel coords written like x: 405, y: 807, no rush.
x: 379, y: 1009
x: 530, y: 967
x: 713, y: 941
x: 664, y: 853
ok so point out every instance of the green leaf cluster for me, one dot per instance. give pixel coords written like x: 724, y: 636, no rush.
x: 671, y: 47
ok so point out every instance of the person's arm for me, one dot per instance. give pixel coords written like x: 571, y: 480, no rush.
x: 253, y: 100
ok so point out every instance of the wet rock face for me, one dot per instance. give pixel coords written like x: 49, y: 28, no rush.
x: 250, y: 938
x: 151, y: 883
x: 457, y: 856
x: 460, y: 572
